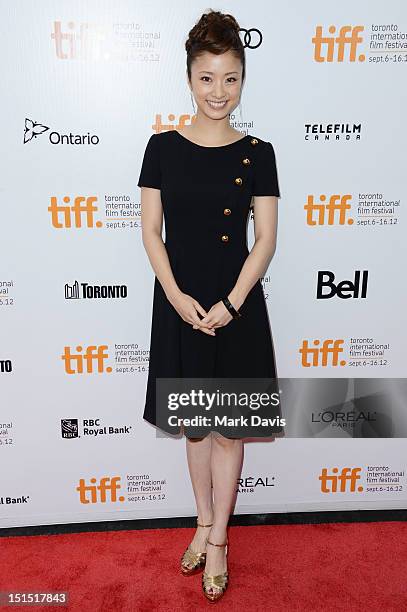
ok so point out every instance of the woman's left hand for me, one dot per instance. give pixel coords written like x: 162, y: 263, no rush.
x: 218, y: 316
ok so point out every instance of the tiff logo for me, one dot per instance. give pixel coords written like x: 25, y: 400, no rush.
x: 331, y: 213
x: 66, y: 216
x: 105, y: 491
x: 319, y: 354
x: 344, y: 483
x: 348, y: 38
x: 94, y: 358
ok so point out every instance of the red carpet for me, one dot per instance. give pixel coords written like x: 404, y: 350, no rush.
x: 326, y: 567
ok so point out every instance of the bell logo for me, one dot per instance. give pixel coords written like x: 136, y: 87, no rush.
x: 94, y: 358
x: 71, y: 216
x: 345, y: 289
x: 344, y: 483
x: 332, y: 213
x: 105, y: 491
x: 330, y: 348
x: 348, y: 38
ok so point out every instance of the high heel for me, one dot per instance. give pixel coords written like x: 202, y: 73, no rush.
x: 220, y: 581
x: 193, y: 562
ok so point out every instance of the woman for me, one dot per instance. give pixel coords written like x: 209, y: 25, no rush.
x: 209, y: 314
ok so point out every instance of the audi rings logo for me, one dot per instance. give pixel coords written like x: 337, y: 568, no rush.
x: 252, y: 41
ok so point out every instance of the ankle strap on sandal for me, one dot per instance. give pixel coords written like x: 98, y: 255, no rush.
x: 217, y: 544
x: 200, y: 525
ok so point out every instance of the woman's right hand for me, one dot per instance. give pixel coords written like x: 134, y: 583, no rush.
x: 188, y: 308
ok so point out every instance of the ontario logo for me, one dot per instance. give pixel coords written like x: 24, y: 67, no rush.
x: 338, y: 46
x: 340, y: 482
x: 33, y: 129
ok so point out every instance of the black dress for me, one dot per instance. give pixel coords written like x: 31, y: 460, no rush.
x: 206, y: 193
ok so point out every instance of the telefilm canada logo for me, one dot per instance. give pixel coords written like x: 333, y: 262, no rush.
x: 33, y: 129
x: 332, y: 132
x: 88, y: 291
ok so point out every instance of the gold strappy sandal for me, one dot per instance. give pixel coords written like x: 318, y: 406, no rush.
x: 218, y: 582
x: 193, y: 562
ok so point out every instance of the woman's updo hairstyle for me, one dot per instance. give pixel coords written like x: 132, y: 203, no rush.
x: 217, y: 33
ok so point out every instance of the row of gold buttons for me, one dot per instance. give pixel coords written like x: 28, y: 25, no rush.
x: 239, y: 181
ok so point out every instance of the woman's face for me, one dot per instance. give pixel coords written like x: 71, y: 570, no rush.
x: 216, y: 78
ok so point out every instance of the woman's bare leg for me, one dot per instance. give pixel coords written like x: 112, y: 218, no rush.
x: 199, y: 464
x: 226, y: 465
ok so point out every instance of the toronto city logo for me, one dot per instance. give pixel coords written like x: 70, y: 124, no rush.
x: 87, y: 291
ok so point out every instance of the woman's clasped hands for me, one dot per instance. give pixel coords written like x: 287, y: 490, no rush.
x: 189, y: 310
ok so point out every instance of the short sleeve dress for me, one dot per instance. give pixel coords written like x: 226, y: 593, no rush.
x: 206, y: 194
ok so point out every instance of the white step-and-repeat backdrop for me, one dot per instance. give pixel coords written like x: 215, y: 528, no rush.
x: 84, y: 86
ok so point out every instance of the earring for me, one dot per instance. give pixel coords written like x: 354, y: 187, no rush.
x: 192, y: 100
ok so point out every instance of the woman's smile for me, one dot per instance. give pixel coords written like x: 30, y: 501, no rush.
x: 217, y: 105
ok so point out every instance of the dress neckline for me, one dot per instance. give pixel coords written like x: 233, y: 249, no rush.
x: 206, y: 147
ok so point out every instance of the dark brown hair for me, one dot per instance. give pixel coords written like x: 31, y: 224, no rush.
x: 217, y: 33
